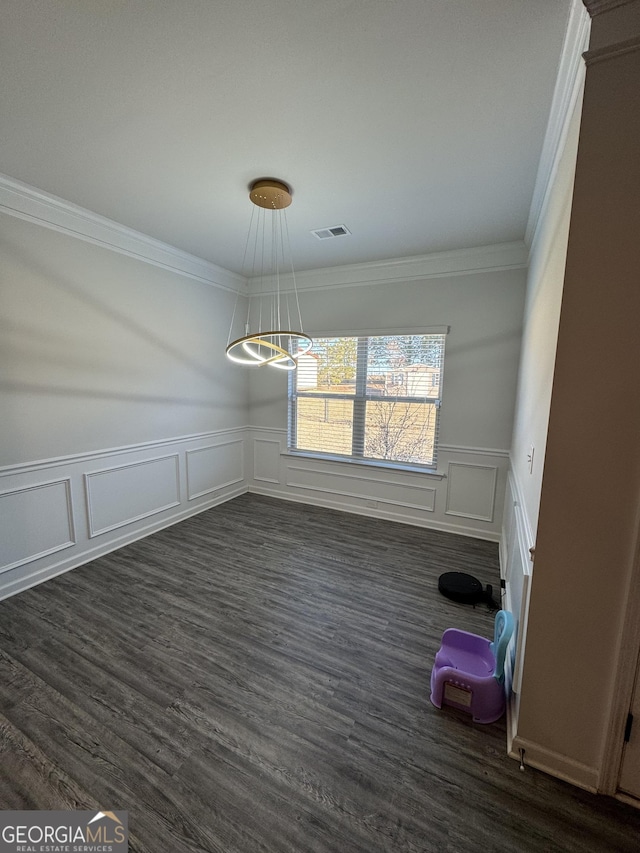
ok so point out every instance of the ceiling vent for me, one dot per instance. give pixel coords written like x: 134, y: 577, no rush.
x: 332, y: 231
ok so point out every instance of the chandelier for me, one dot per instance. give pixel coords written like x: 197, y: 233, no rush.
x: 271, y: 310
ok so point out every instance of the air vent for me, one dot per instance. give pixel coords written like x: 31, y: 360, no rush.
x: 332, y: 231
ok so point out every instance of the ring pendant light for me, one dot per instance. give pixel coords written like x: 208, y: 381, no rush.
x: 270, y: 311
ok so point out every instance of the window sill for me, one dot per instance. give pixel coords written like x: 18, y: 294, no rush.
x: 365, y: 463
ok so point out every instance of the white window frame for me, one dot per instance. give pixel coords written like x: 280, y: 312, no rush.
x: 360, y: 399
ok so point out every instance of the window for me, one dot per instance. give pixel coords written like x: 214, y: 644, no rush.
x: 374, y: 398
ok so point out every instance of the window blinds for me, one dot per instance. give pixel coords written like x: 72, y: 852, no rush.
x: 373, y: 397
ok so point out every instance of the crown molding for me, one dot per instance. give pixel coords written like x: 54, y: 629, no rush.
x: 610, y: 51
x: 597, y: 7
x: 494, y: 258
x: 568, y: 88
x: 33, y: 205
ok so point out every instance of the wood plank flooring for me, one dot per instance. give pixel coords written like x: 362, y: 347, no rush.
x: 255, y: 680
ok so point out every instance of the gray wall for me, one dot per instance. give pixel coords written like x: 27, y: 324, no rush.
x: 542, y: 316
x: 484, y: 311
x: 101, y: 350
x: 120, y: 412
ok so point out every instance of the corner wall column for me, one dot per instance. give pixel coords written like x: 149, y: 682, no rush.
x: 582, y: 639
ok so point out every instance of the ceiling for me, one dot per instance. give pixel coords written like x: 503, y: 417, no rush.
x: 416, y: 123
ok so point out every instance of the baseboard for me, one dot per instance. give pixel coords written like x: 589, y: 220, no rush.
x: 625, y: 798
x: 555, y: 764
x: 386, y: 515
x: 513, y: 708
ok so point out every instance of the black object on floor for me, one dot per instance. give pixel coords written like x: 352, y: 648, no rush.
x: 459, y: 586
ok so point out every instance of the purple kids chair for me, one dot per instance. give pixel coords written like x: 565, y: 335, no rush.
x: 468, y: 672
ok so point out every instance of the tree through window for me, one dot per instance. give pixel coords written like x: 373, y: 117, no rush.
x: 371, y: 397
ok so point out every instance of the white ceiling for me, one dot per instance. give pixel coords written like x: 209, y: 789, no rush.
x: 417, y: 123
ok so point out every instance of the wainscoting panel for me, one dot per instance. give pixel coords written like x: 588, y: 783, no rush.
x: 35, y: 521
x: 215, y: 467
x: 57, y: 514
x: 471, y: 490
x: 411, y: 494
x: 119, y: 496
x: 516, y: 569
x: 89, y: 504
x: 470, y: 505
x: 266, y: 460
x: 516, y: 572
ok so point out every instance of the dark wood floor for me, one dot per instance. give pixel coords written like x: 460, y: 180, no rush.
x: 256, y: 679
